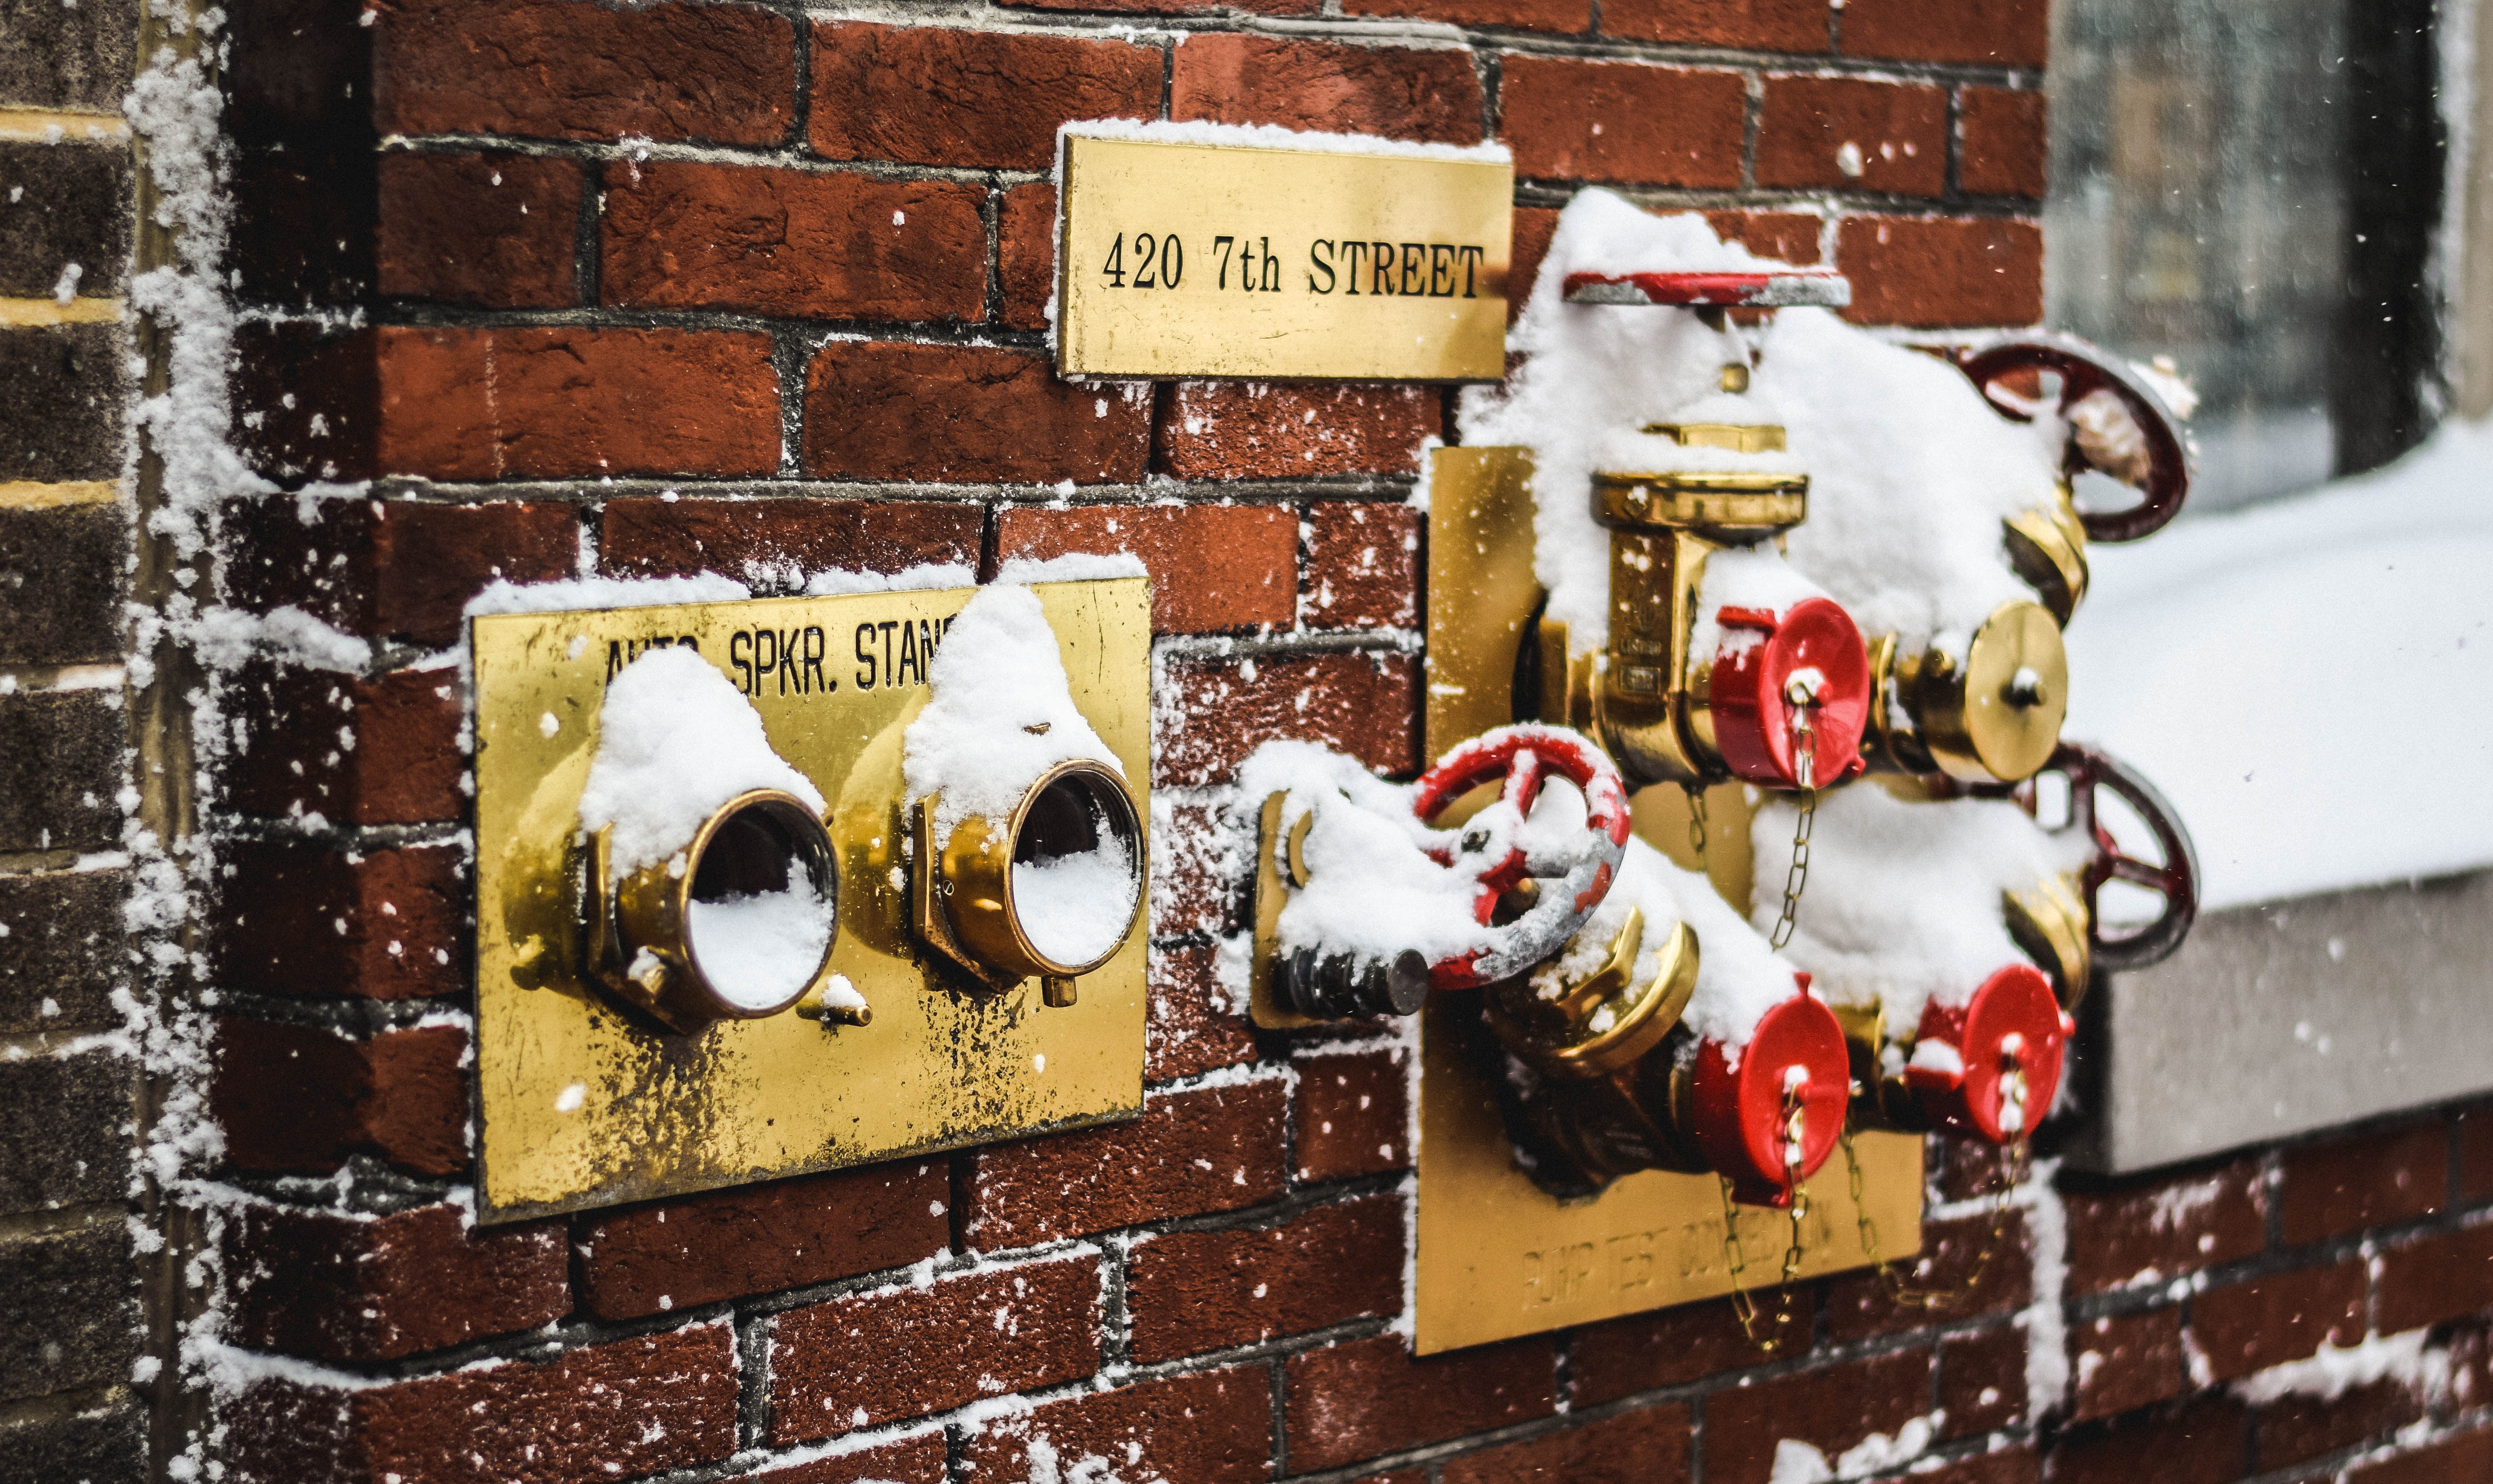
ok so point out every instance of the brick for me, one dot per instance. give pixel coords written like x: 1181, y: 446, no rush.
x: 2463, y: 1457
x: 1365, y: 705
x: 2250, y: 1326
x: 298, y: 919
x: 1982, y: 1383
x: 1789, y: 236
x: 61, y: 583
x: 719, y: 73
x: 1565, y: 16
x: 299, y: 1099
x: 1293, y: 430
x: 2437, y: 1278
x: 396, y: 568
x: 1352, y: 1114
x: 2205, y: 1443
x: 65, y: 1127
x: 60, y: 768
x: 1210, y: 1429
x: 1191, y: 1027
x: 1191, y: 1291
x: 62, y: 388
x: 105, y: 1445
x: 2300, y: 1428
x: 1983, y: 1267
x: 1968, y: 1168
x: 1622, y: 122
x: 1214, y: 567
x: 571, y: 402
x: 58, y: 959
x: 780, y: 543
x: 1793, y: 26
x: 2003, y: 148
x: 1938, y: 273
x: 495, y: 231
x: 1026, y: 253
x: 2146, y: 1231
x: 307, y: 215
x: 2121, y: 1362
x: 1175, y: 6
x: 918, y: 1460
x: 61, y: 56
x: 1992, y: 33
x: 612, y: 1411
x: 1198, y: 856
x: 2378, y: 1179
x: 1211, y: 1149
x: 878, y: 1357
x: 339, y: 1286
x: 63, y: 204
x: 1402, y: 94
x: 2475, y: 1134
x: 291, y: 758
x: 965, y: 414
x: 1831, y: 1409
x: 69, y: 1309
x: 1893, y: 137
x: 1366, y: 1397
x: 1529, y: 244
x: 1667, y: 1348
x: 802, y: 244
x: 306, y: 401
x: 762, y: 1239
x: 932, y: 96
x: 1650, y: 1446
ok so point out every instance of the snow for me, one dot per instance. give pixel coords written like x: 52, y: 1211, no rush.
x: 569, y: 593
x: 926, y: 576
x: 2278, y: 670
x: 1911, y: 470
x: 1073, y: 567
x: 225, y: 638
x: 1273, y: 136
x: 1076, y: 907
x: 999, y: 715
x: 1800, y: 1463
x: 2333, y: 1372
x: 675, y: 741
x: 1902, y: 905
x: 1739, y: 978
x: 760, y: 951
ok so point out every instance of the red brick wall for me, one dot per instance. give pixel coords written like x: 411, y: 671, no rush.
x: 713, y: 287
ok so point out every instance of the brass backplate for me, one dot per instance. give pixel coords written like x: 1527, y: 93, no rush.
x: 583, y: 1105
x: 1497, y: 1257
x: 1278, y: 253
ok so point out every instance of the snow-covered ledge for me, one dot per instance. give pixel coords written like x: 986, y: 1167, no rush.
x: 2311, y: 684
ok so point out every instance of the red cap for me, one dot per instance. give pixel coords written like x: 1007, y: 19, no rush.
x: 2012, y: 1030
x: 1780, y: 288
x: 1738, y: 1112
x: 1753, y: 714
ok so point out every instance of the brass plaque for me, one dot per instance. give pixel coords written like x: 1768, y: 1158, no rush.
x: 1228, y: 260
x: 1497, y: 1257
x: 583, y: 1107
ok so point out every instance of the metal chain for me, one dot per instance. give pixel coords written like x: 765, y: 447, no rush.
x: 2012, y: 1174
x: 1744, y: 1304
x: 1803, y: 698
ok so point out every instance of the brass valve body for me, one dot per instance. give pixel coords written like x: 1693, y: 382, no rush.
x: 1993, y: 718
x: 962, y: 893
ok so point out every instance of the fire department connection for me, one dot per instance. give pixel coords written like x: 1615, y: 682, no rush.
x: 1780, y: 552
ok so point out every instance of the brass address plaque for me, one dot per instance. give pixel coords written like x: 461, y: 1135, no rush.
x: 1245, y: 262
x: 583, y: 1107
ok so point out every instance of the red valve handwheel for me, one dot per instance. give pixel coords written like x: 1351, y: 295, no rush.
x: 1751, y: 695
x: 2176, y: 880
x: 1780, y: 288
x: 1794, y: 1064
x: 2012, y: 1031
x: 2084, y: 369
x: 1572, y: 878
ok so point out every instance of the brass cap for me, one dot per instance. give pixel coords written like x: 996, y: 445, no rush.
x: 1996, y: 718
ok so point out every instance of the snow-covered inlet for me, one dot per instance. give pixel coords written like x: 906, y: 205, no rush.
x: 2309, y: 682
